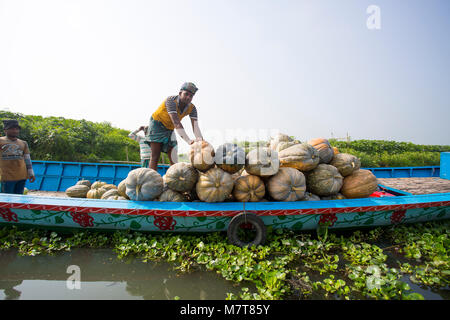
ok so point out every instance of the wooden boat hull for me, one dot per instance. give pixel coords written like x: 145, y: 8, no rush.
x: 151, y: 216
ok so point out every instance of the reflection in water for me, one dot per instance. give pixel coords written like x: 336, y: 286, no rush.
x: 103, y: 276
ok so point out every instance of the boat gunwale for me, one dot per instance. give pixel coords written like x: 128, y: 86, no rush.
x: 199, y: 209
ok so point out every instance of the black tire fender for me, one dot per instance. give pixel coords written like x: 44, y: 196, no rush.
x: 246, y: 218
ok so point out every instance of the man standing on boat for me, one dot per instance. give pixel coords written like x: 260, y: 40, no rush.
x: 167, y: 119
x: 143, y: 145
x: 15, y: 161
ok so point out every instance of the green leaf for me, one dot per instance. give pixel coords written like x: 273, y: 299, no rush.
x: 59, y: 220
x: 115, y: 216
x: 36, y: 211
x: 201, y: 218
x: 369, y: 221
x: 135, y: 225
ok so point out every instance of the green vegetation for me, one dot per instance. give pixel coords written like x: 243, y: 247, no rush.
x: 382, y: 153
x: 289, y: 266
x: 60, y: 139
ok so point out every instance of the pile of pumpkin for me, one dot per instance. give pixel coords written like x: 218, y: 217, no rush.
x: 283, y: 170
x: 97, y: 190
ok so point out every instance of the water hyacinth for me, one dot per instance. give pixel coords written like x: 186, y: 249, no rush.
x: 289, y: 266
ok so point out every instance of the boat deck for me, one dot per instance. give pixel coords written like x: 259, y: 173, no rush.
x: 417, y: 185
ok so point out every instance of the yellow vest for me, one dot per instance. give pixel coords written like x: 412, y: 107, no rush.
x: 162, y: 115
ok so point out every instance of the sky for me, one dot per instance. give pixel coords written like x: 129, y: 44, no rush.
x: 309, y: 69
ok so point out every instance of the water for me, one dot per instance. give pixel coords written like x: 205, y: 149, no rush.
x: 103, y: 276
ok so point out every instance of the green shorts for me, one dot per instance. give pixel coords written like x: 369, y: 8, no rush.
x: 157, y: 132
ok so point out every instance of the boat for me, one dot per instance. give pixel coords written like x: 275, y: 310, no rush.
x: 388, y: 206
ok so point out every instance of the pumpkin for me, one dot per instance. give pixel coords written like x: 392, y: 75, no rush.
x: 95, y: 193
x: 109, y: 186
x: 303, y: 157
x: 191, y: 195
x: 143, y: 184
x: 110, y: 193
x: 335, y: 151
x: 181, y: 177
x: 171, y: 195
x: 98, y: 184
x: 346, y: 163
x: 325, y: 180
x: 230, y: 157
x: 262, y: 162
x: 311, y: 197
x: 122, y: 189
x: 215, y: 185
x: 202, y: 155
x: 281, y: 141
x: 116, y: 197
x: 249, y: 188
x: 324, y: 147
x: 84, y: 182
x: 360, y: 184
x: 77, y: 191
x: 337, y: 196
x: 287, y: 185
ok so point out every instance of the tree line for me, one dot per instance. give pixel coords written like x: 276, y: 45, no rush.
x: 61, y: 139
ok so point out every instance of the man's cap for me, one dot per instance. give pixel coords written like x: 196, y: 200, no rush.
x: 189, y: 86
x: 8, y: 124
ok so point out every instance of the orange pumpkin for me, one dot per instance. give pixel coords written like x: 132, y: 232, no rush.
x: 324, y: 148
x: 215, y: 185
x: 249, y: 188
x: 360, y: 184
x: 202, y: 155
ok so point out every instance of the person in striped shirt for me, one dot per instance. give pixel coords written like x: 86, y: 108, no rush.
x: 167, y: 119
x: 143, y: 144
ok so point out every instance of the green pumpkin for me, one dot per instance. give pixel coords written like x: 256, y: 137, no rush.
x: 262, y: 162
x: 325, y: 180
x: 181, y: 177
x: 84, y: 182
x: 172, y: 196
x: 303, y: 157
x: 110, y: 193
x: 346, y: 163
x: 144, y: 184
x: 98, y: 184
x: 77, y: 191
x: 95, y: 193
x: 287, y: 185
x: 230, y: 157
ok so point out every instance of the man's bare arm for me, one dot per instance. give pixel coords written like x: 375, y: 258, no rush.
x: 196, y: 129
x: 179, y: 128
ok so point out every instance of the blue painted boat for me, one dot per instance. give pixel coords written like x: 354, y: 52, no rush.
x: 58, y: 176
x: 395, y: 207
